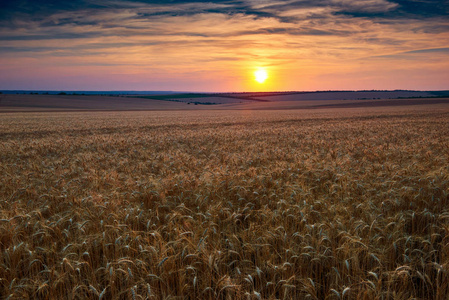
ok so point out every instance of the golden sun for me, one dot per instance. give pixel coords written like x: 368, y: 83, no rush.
x: 261, y: 75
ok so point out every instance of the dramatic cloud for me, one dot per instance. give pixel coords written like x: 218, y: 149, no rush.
x: 214, y: 45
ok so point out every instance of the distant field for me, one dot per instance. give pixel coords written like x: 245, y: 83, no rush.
x: 257, y: 201
x: 18, y: 103
x: 49, y: 103
x: 346, y: 95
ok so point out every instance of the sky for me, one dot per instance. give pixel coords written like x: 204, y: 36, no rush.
x: 216, y: 46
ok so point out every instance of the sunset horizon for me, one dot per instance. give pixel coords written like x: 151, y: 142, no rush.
x: 117, y: 91
x: 217, y: 46
x: 226, y: 149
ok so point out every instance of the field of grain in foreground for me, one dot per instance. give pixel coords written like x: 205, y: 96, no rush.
x: 322, y: 204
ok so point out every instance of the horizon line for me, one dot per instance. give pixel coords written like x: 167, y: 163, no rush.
x: 230, y: 92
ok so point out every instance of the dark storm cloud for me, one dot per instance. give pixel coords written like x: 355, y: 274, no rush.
x: 13, y: 10
x: 423, y: 8
x: 405, y: 9
x: 40, y: 10
x: 10, y: 9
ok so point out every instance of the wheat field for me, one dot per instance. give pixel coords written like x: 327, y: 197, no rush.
x: 318, y: 204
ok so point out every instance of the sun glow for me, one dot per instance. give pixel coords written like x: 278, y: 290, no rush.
x: 261, y: 75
